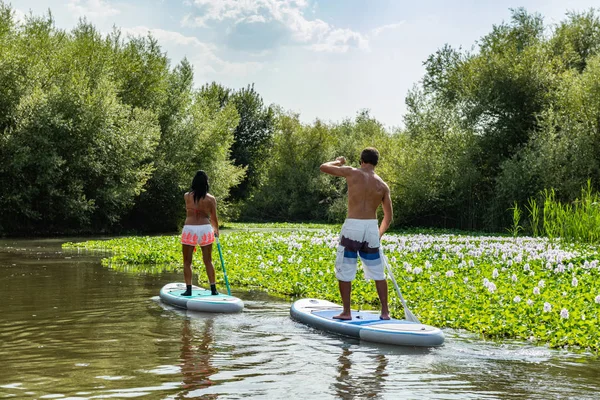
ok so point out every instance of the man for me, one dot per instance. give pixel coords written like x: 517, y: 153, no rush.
x: 360, y: 234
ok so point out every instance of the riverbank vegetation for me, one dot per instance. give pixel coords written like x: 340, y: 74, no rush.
x: 101, y: 133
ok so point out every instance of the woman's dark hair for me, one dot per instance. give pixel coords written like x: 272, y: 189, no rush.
x: 200, y: 185
x: 370, y: 155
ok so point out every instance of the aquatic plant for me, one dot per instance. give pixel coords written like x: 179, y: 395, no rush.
x: 535, y: 289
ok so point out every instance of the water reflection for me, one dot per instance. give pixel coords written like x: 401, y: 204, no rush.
x: 367, y: 384
x: 196, y: 354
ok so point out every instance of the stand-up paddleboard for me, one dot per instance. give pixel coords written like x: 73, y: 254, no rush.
x: 365, y: 325
x: 200, y: 300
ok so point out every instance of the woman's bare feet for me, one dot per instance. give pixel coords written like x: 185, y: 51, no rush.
x: 343, y: 316
x: 384, y: 317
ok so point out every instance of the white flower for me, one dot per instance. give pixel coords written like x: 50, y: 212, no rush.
x: 547, y: 307
x: 527, y: 267
x: 279, y: 258
x: 465, y: 280
x: 259, y: 258
x: 514, y: 277
x: 574, y: 282
x: 564, y: 313
x: 394, y: 259
x: 517, y: 299
x: 491, y: 287
x: 536, y: 290
x: 471, y: 263
x: 583, y: 317
x: 321, y: 273
x: 541, y: 284
x: 417, y: 270
x: 529, y: 302
x: 443, y: 256
x: 495, y: 273
x: 485, y: 282
x: 560, y: 268
x: 450, y: 274
x: 597, y: 299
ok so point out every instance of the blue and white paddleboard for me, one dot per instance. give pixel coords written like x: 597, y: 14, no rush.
x: 365, y: 325
x: 200, y: 300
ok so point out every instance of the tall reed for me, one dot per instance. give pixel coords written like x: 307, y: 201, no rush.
x: 577, y: 221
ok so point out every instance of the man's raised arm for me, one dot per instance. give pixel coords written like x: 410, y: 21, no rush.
x: 336, y: 167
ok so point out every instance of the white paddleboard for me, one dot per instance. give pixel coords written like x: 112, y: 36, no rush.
x: 365, y: 325
x: 200, y: 300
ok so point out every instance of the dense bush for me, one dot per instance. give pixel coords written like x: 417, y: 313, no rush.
x: 101, y: 133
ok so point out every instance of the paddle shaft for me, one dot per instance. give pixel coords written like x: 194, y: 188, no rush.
x: 223, y: 265
x: 407, y: 313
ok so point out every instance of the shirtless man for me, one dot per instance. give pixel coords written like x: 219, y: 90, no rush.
x: 360, y: 234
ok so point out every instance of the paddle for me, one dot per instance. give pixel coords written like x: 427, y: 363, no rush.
x: 407, y: 313
x: 223, y: 265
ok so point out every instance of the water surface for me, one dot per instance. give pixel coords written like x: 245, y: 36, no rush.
x: 71, y: 328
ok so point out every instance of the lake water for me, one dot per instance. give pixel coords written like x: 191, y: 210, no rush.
x: 72, y: 329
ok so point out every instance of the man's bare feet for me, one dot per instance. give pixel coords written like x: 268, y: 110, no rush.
x: 384, y: 317
x: 344, y: 317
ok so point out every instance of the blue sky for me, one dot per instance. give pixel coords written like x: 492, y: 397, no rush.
x: 324, y: 59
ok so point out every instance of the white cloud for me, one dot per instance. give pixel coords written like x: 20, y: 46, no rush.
x: 315, y: 34
x: 202, y: 55
x: 92, y: 8
x: 340, y: 41
x: 380, y: 29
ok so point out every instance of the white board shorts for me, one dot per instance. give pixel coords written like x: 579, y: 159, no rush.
x: 359, y: 237
x: 201, y: 235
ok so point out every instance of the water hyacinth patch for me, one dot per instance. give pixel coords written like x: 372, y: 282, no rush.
x: 478, y: 283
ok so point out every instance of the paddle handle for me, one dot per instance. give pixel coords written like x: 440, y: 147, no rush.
x: 223, y: 265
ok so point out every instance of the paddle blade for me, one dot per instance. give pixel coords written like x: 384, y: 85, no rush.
x: 409, y: 316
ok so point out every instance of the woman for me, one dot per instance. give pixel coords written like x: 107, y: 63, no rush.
x: 201, y: 213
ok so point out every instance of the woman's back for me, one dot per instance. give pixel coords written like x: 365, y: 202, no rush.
x: 198, y: 213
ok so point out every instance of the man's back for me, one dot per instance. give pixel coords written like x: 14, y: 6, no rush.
x: 366, y: 191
